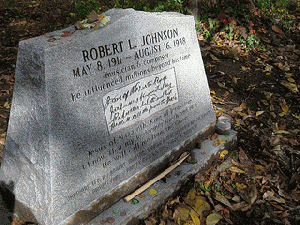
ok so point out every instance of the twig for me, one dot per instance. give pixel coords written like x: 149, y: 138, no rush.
x: 148, y: 184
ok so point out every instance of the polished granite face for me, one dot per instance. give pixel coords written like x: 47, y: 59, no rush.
x: 98, y: 113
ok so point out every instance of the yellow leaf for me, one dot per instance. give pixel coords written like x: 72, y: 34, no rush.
x: 201, y: 205
x: 231, y: 90
x: 219, y: 112
x: 259, y: 168
x: 213, y: 219
x: 240, y: 186
x: 290, y: 79
x: 265, y: 102
x: 237, y: 170
x: 191, y: 195
x: 213, y: 92
x: 223, y: 154
x: 214, y: 57
x: 297, y: 117
x: 220, y: 44
x: 195, y: 219
x: 243, y: 105
x: 284, y: 107
x: 226, y: 94
x: 268, y: 68
x: 206, y: 184
x: 282, y: 67
x: 268, y: 74
x: 288, y: 74
x: 234, y: 80
x: 291, y: 86
x: 281, y: 132
x: 7, y: 105
x: 152, y: 192
x: 242, y: 114
x: 259, y: 113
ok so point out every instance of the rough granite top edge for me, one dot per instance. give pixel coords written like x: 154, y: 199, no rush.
x: 116, y: 15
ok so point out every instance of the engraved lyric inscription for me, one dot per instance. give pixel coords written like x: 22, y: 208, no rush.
x: 139, y: 100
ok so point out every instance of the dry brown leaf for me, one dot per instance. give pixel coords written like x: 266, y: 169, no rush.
x: 236, y: 198
x: 269, y: 196
x: 244, y: 158
x: 284, y: 107
x: 150, y: 221
x: 243, y: 105
x: 182, y: 211
x: 219, y: 142
x: 239, y: 205
x: 214, y: 57
x: 291, y: 86
x: 214, y: 137
x: 223, y: 200
x: 237, y: 170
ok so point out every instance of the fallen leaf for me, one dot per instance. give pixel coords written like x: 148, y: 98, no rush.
x: 259, y: 168
x: 195, y: 219
x: 284, y: 107
x: 219, y: 142
x: 276, y: 28
x: 269, y: 196
x: 291, y: 86
x: 206, y: 184
x: 268, y: 68
x: 152, y: 192
x: 7, y: 105
x: 282, y: 67
x: 182, y: 212
x: 66, y: 35
x: 236, y: 198
x: 259, y: 113
x: 223, y: 200
x: 240, y: 186
x: 281, y: 132
x: 214, y: 137
x: 150, y: 221
x: 191, y: 195
x: 214, y: 58
x: 110, y: 220
x: 297, y: 117
x: 201, y: 205
x: 265, y: 102
x: 235, y: 169
x: 235, y: 80
x: 213, y: 219
x: 243, y: 105
x: 223, y: 154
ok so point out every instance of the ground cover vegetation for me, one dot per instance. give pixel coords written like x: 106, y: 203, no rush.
x: 251, y: 54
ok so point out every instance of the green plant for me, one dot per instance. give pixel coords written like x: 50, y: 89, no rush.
x: 154, y: 6
x: 229, y: 30
x: 82, y: 9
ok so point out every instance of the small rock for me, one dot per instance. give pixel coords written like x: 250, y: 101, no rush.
x: 78, y: 25
x: 93, y: 16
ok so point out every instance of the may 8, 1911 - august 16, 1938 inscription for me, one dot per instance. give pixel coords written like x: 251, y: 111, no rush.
x: 98, y: 113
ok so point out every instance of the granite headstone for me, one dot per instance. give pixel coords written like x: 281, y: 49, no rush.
x: 98, y: 113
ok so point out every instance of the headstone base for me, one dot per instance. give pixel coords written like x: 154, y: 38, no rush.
x: 130, y: 213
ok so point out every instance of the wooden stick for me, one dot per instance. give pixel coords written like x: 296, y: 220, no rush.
x: 149, y: 183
